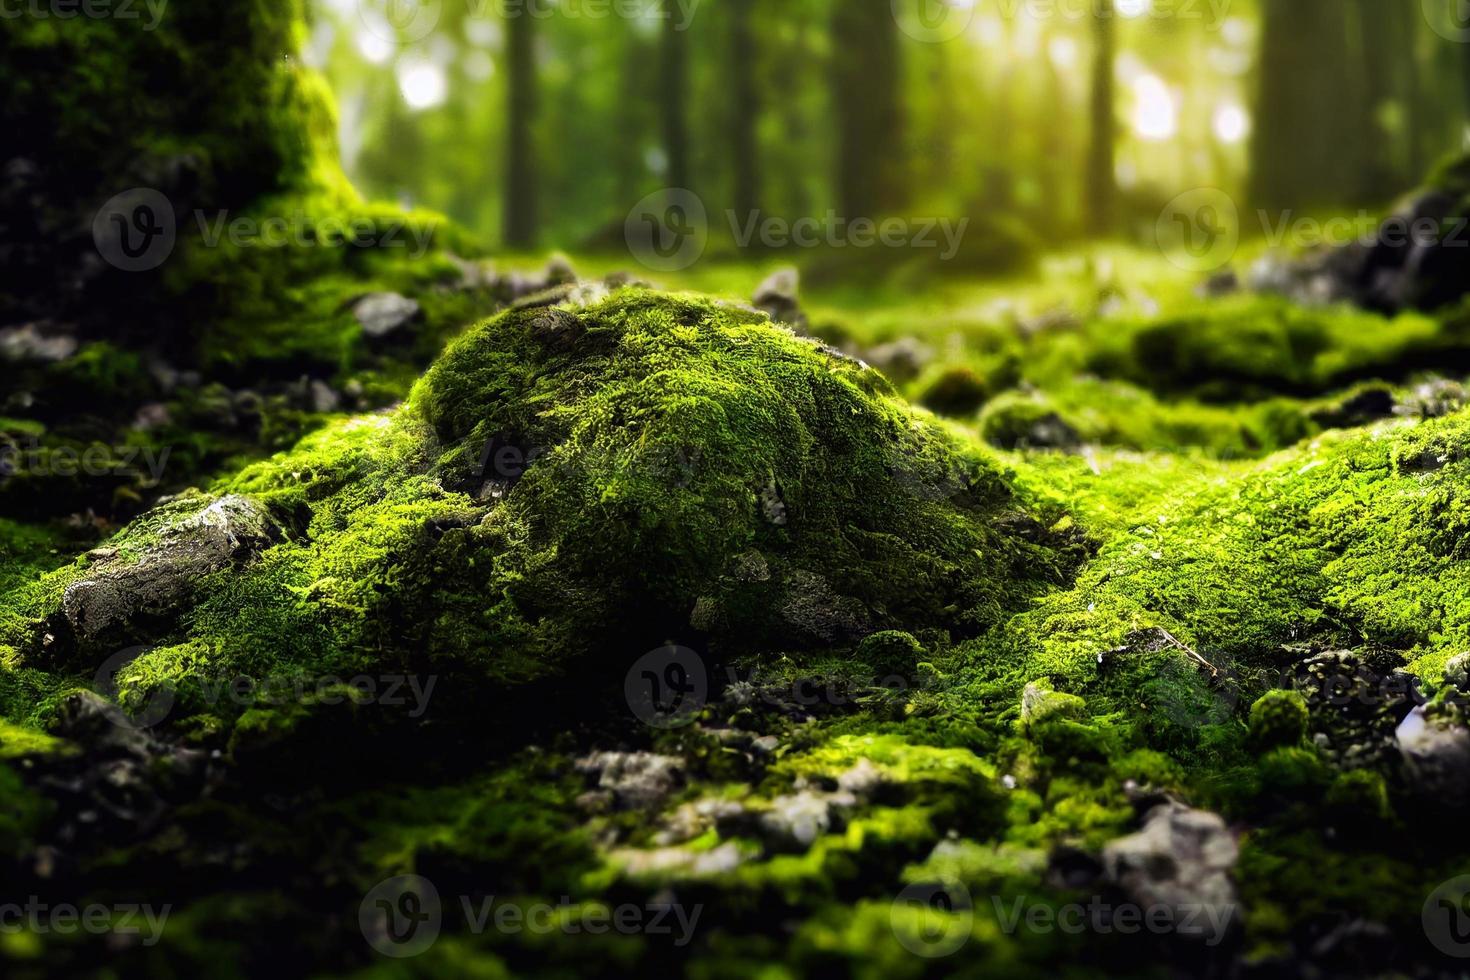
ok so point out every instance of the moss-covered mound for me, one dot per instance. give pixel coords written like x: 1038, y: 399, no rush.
x: 1338, y: 562
x: 1356, y: 534
x: 647, y: 469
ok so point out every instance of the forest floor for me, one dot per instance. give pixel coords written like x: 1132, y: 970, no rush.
x: 1137, y: 717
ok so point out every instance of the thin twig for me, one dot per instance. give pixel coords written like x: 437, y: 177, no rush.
x: 1214, y: 671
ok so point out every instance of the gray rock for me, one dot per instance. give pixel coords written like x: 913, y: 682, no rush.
x: 817, y: 613
x: 695, y: 818
x: 1180, y: 860
x: 1404, y: 265
x: 863, y: 780
x: 1433, y: 399
x: 776, y: 297
x: 640, y: 780
x: 558, y: 329
x: 1436, y: 754
x: 1224, y: 283
x: 902, y: 359
x: 89, y: 719
x: 323, y: 398
x: 1050, y: 431
x: 382, y: 314
x: 1457, y: 672
x: 679, y: 862
x: 559, y: 271
x: 773, y: 508
x: 1357, y: 699
x: 36, y: 342
x: 153, y: 415
x: 473, y: 274
x: 229, y: 531
x: 796, y: 820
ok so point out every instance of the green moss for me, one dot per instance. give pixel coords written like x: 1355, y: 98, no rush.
x: 691, y: 471
x: 1295, y: 773
x: 1237, y: 348
x: 891, y: 652
x: 24, y: 809
x: 1353, y: 536
x: 1040, y: 705
x: 1358, y: 801
x: 722, y: 461
x: 958, y: 391
x: 18, y: 742
x: 1278, y: 719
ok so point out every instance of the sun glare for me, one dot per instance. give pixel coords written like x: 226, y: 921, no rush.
x: 1232, y: 123
x: 1155, y: 115
x: 422, y: 85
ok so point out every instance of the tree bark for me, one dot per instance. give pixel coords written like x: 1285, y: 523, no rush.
x: 520, y: 151
x: 746, y: 108
x: 866, y: 80
x: 1308, y: 143
x: 673, y: 97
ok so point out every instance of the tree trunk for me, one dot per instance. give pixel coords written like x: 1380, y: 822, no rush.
x: 1101, y: 165
x: 1308, y: 145
x: 866, y: 81
x: 520, y: 165
x: 746, y: 109
x: 674, y: 95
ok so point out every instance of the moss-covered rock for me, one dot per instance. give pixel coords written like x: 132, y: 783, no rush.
x: 891, y: 652
x: 1352, y: 537
x: 1277, y: 719
x: 565, y: 482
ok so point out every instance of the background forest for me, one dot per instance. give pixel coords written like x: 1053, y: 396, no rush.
x: 1066, y: 116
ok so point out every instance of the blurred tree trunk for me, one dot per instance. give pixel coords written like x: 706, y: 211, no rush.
x: 520, y: 166
x: 1406, y: 41
x: 633, y: 120
x: 1101, y: 182
x: 673, y: 96
x: 1052, y: 144
x: 866, y: 95
x: 746, y: 113
x: 1379, y: 55
x: 1308, y: 145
